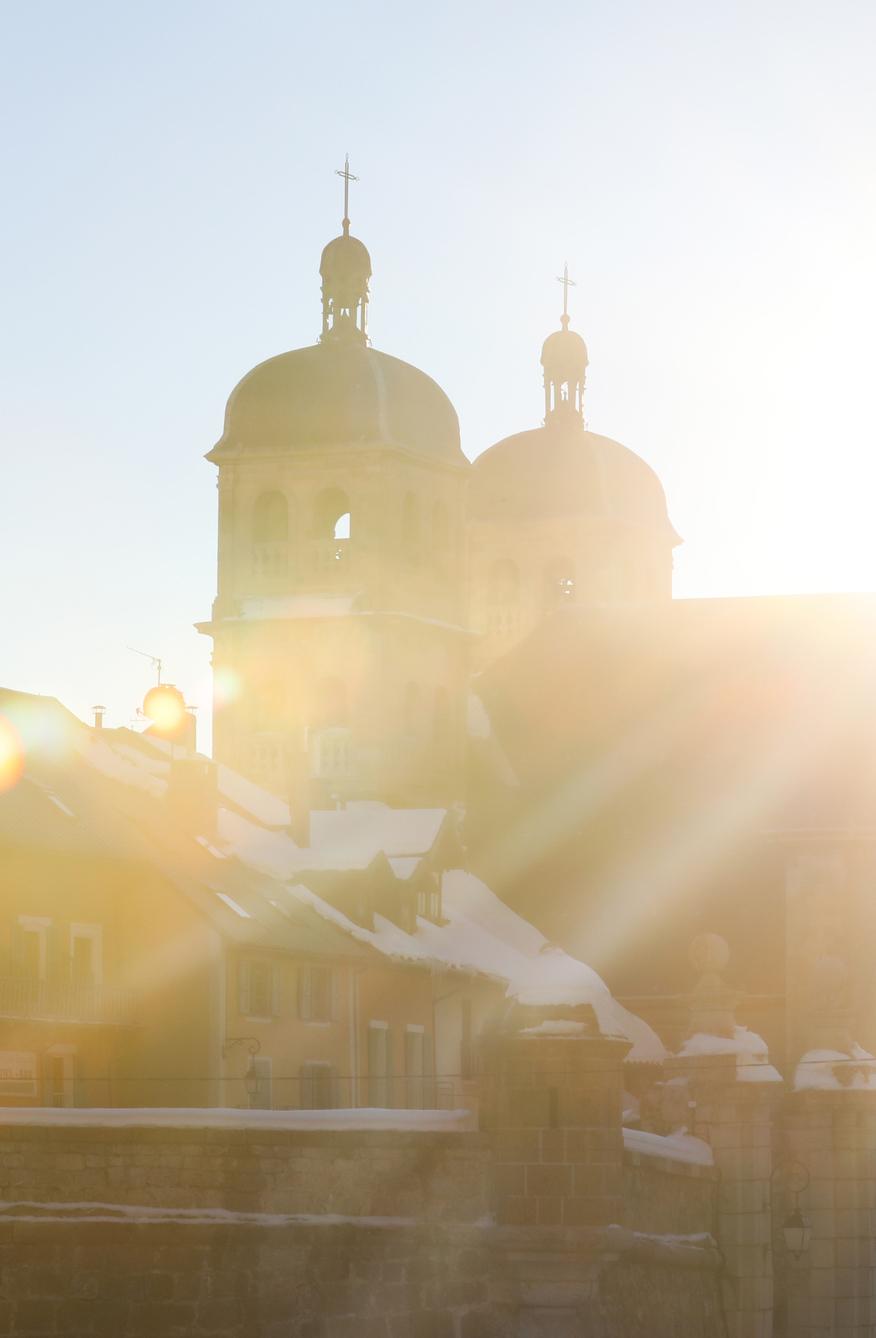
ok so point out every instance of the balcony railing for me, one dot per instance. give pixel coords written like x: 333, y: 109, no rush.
x: 61, y: 1001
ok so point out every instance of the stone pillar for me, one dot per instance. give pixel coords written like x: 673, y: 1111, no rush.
x: 552, y: 1104
x: 732, y: 1095
x: 830, y: 1132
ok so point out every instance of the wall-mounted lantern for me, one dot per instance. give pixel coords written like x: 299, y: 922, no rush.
x: 796, y: 1230
x: 251, y: 1077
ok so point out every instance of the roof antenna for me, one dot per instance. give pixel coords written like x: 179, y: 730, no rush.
x: 156, y: 663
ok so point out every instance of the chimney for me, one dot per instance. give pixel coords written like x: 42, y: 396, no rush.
x: 99, y: 712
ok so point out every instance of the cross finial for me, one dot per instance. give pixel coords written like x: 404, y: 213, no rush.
x: 348, y: 177
x: 567, y: 284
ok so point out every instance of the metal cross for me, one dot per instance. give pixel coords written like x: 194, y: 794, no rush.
x: 348, y: 177
x: 567, y: 284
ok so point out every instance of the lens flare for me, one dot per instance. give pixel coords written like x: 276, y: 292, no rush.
x: 11, y: 755
x: 226, y: 687
x: 165, y: 707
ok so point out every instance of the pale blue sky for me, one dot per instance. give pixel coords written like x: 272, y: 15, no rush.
x: 167, y: 178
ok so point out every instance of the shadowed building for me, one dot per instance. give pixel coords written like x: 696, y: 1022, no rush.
x: 560, y: 516
x: 341, y: 610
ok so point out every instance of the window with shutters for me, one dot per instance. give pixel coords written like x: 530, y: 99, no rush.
x: 317, y: 994
x: 32, y: 947
x: 379, y: 1065
x: 259, y: 987
x: 262, y: 1095
x: 414, y: 1067
x: 86, y: 956
x: 319, y: 1085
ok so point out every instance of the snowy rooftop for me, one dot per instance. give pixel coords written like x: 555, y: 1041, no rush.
x: 250, y: 873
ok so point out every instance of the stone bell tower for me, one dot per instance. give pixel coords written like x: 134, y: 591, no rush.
x: 340, y: 650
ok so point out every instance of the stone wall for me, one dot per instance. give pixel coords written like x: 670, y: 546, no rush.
x: 188, y: 1279
x: 667, y: 1196
x: 428, y: 1176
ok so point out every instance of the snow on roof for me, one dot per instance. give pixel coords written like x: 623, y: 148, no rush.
x: 680, y: 1146
x: 346, y: 838
x: 836, y: 1071
x: 481, y: 935
x: 752, y: 1055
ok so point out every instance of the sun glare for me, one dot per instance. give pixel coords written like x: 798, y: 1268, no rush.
x: 11, y: 755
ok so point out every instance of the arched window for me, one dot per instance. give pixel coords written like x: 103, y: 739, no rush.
x: 270, y: 519
x: 331, y: 531
x: 559, y: 583
x: 332, y: 507
x: 440, y: 527
x: 411, y: 708
x: 503, y: 586
x: 330, y: 703
x: 270, y: 534
x: 410, y: 528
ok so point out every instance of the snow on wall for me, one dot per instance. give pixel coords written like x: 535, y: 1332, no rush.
x: 680, y: 1146
x: 148, y: 1117
x: 752, y: 1055
x: 836, y: 1071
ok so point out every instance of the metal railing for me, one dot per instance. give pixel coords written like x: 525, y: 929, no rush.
x: 62, y: 1001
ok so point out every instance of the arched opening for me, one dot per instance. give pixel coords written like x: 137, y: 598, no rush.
x: 331, y: 531
x: 270, y: 534
x: 332, y: 506
x: 559, y: 583
x: 410, y: 528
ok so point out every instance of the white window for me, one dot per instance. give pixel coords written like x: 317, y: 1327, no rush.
x: 379, y: 1065
x: 414, y: 1070
x: 259, y: 981
x: 319, y: 1085
x: 261, y: 1097
x: 318, y: 988
x: 59, y: 1071
x: 86, y: 954
x: 33, y: 946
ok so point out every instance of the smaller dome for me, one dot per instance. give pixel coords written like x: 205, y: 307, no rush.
x: 347, y: 259
x: 564, y: 356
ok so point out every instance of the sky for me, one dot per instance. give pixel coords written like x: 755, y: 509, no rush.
x: 168, y: 183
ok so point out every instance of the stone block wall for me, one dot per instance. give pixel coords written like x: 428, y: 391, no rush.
x: 428, y: 1176
x: 671, y: 1197
x: 136, y: 1279
x: 831, y: 1289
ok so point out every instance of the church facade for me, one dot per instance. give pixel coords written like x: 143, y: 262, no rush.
x: 367, y: 569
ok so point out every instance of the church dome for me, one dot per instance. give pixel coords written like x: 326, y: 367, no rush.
x: 564, y: 356
x: 562, y: 470
x: 346, y: 259
x: 339, y: 394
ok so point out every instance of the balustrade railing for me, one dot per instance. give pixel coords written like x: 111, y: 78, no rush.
x: 62, y: 1001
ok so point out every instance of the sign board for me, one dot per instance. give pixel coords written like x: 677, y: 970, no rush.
x: 18, y: 1074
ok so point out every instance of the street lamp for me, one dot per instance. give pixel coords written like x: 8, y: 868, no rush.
x: 251, y: 1077
x: 796, y: 1230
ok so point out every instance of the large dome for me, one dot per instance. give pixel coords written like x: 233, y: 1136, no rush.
x: 561, y: 469
x: 339, y: 394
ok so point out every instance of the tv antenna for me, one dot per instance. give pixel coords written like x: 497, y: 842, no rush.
x: 156, y: 662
